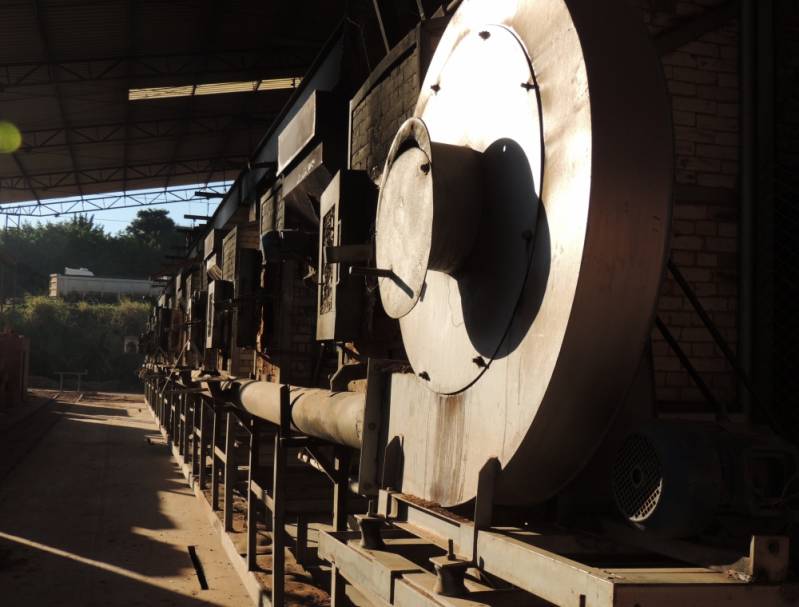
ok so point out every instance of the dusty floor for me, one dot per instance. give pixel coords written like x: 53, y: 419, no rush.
x: 93, y: 514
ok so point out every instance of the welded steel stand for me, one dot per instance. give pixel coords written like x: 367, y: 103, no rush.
x: 341, y: 466
x: 217, y: 463
x: 278, y: 506
x: 252, y: 498
x: 230, y: 469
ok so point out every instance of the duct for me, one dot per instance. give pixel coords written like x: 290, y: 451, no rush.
x: 332, y: 416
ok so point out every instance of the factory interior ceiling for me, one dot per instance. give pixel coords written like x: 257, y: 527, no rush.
x: 122, y: 95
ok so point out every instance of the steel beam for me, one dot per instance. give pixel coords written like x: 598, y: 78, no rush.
x: 41, y: 22
x: 164, y: 69
x: 92, y: 204
x: 137, y: 131
x: 43, y: 182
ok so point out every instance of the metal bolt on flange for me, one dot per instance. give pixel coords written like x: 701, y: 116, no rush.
x: 480, y: 362
x: 435, y: 87
x: 529, y: 86
x: 425, y: 168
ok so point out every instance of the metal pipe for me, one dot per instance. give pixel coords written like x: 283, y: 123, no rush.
x: 332, y: 416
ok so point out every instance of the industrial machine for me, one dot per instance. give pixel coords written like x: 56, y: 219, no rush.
x: 456, y: 345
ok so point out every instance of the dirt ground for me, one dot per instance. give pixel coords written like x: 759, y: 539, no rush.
x: 91, y: 513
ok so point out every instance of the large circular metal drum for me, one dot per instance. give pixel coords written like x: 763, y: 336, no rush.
x: 524, y: 214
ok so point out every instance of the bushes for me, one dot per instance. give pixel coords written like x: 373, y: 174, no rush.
x: 77, y: 336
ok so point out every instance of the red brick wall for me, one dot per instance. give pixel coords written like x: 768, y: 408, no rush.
x: 377, y: 118
x: 704, y: 85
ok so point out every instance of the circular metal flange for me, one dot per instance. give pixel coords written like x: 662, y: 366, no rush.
x: 404, y: 226
x: 427, y: 213
x: 469, y: 292
x: 527, y: 351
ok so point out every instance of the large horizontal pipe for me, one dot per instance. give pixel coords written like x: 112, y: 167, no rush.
x: 332, y: 416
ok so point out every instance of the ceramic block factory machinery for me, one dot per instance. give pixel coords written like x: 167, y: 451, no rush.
x: 430, y: 383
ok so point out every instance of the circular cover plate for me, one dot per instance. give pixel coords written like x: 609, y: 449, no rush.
x: 404, y: 230
x: 481, y: 85
x: 576, y: 327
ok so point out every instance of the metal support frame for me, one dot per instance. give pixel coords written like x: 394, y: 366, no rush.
x: 77, y: 374
x: 54, y: 182
x: 139, y: 130
x: 720, y: 408
x: 230, y: 470
x: 216, y: 469
x: 341, y: 466
x: 92, y: 204
x: 554, y: 565
x: 202, y: 450
x: 292, y: 59
x: 252, y: 500
x: 278, y: 504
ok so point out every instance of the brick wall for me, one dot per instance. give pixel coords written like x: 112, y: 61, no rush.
x: 376, y: 119
x: 703, y: 81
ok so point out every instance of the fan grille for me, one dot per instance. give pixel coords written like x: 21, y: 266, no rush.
x: 637, y: 479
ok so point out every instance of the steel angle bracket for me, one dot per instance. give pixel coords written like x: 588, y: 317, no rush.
x: 375, y: 412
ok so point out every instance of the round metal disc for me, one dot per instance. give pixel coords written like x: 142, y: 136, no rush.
x: 481, y: 83
x: 404, y: 230
x: 571, y: 333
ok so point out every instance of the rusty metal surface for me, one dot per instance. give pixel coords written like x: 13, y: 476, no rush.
x: 528, y: 356
x: 333, y: 416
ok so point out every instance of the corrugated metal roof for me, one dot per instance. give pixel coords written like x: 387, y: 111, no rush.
x: 66, y: 67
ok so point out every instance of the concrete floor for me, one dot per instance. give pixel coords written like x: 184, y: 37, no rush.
x: 94, y: 515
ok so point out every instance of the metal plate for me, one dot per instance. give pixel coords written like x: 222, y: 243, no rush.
x: 480, y: 85
x: 404, y: 229
x: 577, y: 332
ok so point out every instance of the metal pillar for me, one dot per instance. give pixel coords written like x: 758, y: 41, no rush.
x: 215, y: 461
x: 230, y: 469
x: 341, y: 466
x: 278, y: 522
x: 203, y: 445
x: 252, y: 499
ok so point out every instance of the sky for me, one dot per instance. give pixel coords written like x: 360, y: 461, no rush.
x: 116, y: 220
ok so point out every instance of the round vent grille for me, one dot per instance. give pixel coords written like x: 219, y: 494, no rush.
x: 637, y: 479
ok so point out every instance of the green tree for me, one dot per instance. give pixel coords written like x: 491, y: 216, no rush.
x: 41, y: 250
x: 154, y: 228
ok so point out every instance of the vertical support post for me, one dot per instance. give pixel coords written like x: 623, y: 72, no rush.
x: 194, y: 430
x: 252, y: 500
x: 187, y: 426
x: 203, y: 445
x: 180, y: 423
x: 215, y: 472
x: 341, y: 466
x: 484, y: 501
x: 278, y: 503
x: 301, y: 545
x: 278, y: 522
x: 230, y: 470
